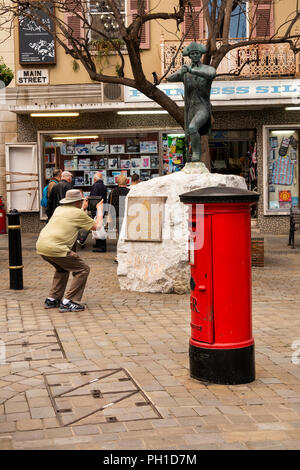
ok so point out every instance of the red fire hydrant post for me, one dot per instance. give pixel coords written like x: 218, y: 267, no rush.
x: 221, y: 344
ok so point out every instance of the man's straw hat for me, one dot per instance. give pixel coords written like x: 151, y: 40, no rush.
x: 73, y: 195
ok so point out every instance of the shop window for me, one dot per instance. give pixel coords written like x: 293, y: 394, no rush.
x: 110, y: 154
x: 283, y: 170
x: 174, y: 152
x: 234, y: 152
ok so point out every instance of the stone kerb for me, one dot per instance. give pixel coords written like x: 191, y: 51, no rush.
x: 147, y: 266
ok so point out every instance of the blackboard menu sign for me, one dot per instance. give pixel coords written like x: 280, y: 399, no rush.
x: 36, y: 43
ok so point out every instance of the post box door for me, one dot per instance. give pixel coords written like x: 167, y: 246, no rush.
x: 202, y: 323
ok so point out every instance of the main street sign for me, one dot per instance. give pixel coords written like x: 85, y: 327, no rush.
x: 33, y: 77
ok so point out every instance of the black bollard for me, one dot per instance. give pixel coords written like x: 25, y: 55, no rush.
x: 15, y: 250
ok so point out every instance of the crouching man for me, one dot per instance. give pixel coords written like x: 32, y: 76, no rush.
x: 55, y: 244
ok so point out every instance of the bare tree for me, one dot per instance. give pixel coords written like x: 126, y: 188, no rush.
x: 124, y: 35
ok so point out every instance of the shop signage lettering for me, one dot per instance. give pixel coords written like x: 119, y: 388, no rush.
x: 175, y: 91
x: 33, y: 77
x: 255, y: 90
x: 229, y: 90
x: 170, y: 91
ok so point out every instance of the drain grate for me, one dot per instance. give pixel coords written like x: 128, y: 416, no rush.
x: 34, y: 345
x: 117, y: 398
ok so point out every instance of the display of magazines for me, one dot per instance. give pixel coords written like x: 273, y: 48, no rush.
x: 111, y: 155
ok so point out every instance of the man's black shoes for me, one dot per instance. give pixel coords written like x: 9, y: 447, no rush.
x: 71, y: 307
x: 68, y: 307
x: 52, y: 303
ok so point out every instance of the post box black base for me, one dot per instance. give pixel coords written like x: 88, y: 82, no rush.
x: 223, y: 366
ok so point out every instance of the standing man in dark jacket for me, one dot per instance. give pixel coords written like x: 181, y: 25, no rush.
x: 54, y: 180
x: 99, y: 190
x: 58, y: 192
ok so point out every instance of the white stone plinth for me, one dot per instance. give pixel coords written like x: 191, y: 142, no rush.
x: 163, y: 266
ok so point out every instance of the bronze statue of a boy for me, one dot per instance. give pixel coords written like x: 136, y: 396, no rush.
x: 197, y: 79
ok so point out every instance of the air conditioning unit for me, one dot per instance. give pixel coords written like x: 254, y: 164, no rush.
x: 113, y: 92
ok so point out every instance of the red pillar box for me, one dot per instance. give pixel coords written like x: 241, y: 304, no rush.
x: 221, y: 343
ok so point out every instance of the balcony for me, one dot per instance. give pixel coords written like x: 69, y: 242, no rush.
x: 251, y: 62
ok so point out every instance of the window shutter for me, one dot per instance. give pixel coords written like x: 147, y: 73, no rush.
x: 263, y: 18
x: 193, y: 24
x: 132, y: 14
x: 73, y: 22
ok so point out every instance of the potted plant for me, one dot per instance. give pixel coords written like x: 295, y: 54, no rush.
x: 6, y: 74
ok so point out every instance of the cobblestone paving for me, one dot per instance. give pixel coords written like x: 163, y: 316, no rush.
x: 52, y: 372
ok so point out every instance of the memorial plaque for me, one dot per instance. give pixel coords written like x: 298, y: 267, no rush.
x: 36, y: 37
x: 145, y: 218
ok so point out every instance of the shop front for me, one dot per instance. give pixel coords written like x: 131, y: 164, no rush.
x: 148, y: 153
x: 95, y: 142
x: 254, y: 137
x: 111, y: 153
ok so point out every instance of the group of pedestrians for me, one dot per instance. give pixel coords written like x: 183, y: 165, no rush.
x: 67, y: 215
x: 57, y: 188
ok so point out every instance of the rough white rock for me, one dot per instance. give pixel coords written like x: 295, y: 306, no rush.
x: 195, y: 167
x: 163, y: 266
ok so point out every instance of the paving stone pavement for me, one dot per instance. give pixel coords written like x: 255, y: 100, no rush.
x: 118, y: 371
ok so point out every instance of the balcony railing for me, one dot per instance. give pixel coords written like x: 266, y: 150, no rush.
x: 255, y: 61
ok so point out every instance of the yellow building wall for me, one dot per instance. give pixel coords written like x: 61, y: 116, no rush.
x: 284, y: 11
x: 7, y: 49
x: 63, y: 73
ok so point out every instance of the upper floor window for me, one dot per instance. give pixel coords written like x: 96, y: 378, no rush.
x: 259, y: 13
x: 238, y: 23
x: 102, y: 19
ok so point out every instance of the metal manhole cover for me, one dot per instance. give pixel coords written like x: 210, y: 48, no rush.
x: 35, y: 345
x: 95, y: 397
